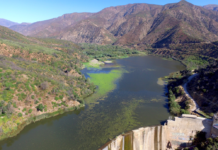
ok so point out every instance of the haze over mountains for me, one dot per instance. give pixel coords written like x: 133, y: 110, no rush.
x: 7, y: 23
x: 133, y: 25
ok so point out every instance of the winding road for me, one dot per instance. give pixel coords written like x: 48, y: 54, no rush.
x: 195, y: 107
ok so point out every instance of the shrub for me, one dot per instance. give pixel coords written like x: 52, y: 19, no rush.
x: 30, y: 111
x: 177, y: 91
x: 44, y: 85
x: 15, y: 105
x: 32, y: 96
x: 20, y: 115
x: 187, y: 104
x: 40, y: 107
x: 45, y: 108
x: 21, y: 96
x: 24, y: 110
x: 27, y: 86
x: 61, y: 96
x: 174, y: 108
x: 183, y: 111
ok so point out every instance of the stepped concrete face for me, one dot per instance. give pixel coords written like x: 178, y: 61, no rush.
x: 175, y: 133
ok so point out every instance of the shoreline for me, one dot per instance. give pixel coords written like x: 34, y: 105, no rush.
x: 34, y: 119
x: 27, y: 121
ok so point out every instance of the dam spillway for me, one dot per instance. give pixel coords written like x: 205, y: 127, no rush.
x: 175, y: 133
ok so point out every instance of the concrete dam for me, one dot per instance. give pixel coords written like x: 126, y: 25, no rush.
x: 173, y: 134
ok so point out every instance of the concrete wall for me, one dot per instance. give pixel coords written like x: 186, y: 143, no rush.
x: 177, y: 133
x: 180, y: 131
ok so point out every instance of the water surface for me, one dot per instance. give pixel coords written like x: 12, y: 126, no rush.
x: 136, y: 101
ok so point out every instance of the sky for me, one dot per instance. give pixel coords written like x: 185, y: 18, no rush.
x: 37, y: 10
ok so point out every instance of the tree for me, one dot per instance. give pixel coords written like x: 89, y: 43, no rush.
x: 40, y: 107
x: 19, y: 115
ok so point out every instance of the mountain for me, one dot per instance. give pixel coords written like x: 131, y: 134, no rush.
x: 7, y: 23
x: 211, y: 7
x: 182, y: 23
x: 49, y: 28
x: 140, y: 26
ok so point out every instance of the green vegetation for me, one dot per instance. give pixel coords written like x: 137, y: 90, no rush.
x: 104, y: 52
x: 30, y: 111
x: 115, y: 122
x: 33, y: 69
x: 30, y: 47
x: 203, y: 88
x: 19, y: 115
x: 201, y: 143
x: 191, y: 57
x: 105, y: 81
x: 40, y: 107
x: 93, y: 65
x: 175, y: 90
x: 194, y: 62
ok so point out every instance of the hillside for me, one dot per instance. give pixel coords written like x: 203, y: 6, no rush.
x: 211, y: 7
x: 204, y: 88
x: 7, y: 23
x: 39, y: 78
x: 50, y: 28
x: 141, y: 26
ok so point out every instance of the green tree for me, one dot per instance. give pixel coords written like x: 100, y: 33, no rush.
x: 20, y: 115
x: 40, y: 107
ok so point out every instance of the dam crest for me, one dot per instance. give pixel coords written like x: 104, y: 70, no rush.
x: 173, y: 134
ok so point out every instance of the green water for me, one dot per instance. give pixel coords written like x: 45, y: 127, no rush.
x: 133, y: 99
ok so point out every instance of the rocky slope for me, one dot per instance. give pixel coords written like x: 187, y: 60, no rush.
x: 211, y: 7
x: 204, y: 89
x: 50, y: 28
x: 134, y: 25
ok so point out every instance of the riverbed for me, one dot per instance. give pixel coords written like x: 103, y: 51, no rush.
x: 128, y: 97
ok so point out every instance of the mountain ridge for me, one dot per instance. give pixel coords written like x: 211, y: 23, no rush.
x: 7, y: 23
x: 138, y: 26
x: 211, y: 7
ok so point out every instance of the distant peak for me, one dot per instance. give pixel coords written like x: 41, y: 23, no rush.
x: 183, y: 1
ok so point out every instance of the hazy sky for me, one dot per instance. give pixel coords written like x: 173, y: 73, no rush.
x: 38, y: 10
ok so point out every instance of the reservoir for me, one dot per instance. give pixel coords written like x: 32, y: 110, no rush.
x: 135, y: 99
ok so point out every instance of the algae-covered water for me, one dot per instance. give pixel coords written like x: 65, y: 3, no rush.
x: 128, y: 97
